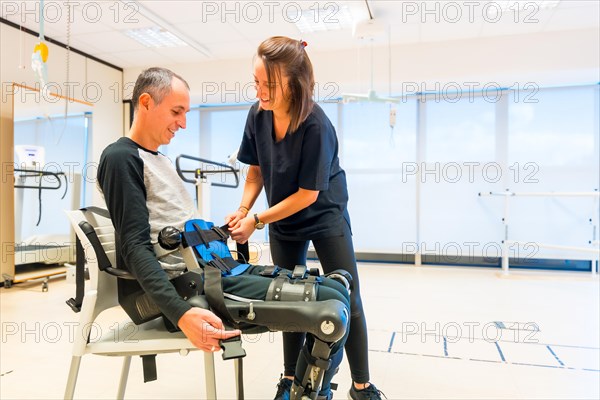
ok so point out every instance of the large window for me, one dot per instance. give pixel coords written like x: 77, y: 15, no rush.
x: 460, y: 131
x: 459, y: 161
x: 554, y: 128
x: 553, y: 147
x: 416, y: 184
x: 226, y: 131
x: 374, y: 155
x: 65, y: 142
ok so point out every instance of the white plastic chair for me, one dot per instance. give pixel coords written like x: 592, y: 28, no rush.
x: 100, y: 296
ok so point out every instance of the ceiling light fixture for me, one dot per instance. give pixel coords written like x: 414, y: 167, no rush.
x: 166, y: 27
x: 155, y: 37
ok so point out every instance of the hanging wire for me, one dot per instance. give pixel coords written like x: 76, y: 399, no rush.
x: 392, y: 114
x: 67, y: 98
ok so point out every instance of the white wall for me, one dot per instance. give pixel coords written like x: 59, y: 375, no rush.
x: 90, y: 81
x: 546, y: 59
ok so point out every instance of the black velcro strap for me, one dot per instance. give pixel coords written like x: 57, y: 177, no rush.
x: 90, y: 232
x: 149, y: 365
x: 219, y: 263
x: 213, y: 289
x: 223, y: 233
x: 230, y: 262
x: 75, y: 303
x: 204, y: 236
x: 201, y: 235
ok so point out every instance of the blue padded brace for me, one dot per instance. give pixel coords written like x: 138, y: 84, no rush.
x: 217, y: 247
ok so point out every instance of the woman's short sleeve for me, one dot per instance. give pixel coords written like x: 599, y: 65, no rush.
x: 247, y: 152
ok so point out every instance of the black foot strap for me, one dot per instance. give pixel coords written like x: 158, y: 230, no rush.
x: 149, y: 365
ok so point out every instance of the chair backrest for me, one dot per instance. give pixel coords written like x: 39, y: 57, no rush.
x: 112, y: 285
x: 101, y: 289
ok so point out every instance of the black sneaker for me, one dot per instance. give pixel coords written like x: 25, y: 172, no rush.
x: 283, y: 389
x: 368, y: 393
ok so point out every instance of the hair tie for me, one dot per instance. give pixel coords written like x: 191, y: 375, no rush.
x: 303, y: 43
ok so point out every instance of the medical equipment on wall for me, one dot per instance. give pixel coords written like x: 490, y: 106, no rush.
x: 32, y: 175
x: 200, y: 179
x: 30, y: 159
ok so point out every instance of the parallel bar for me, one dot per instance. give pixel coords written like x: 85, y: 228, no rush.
x: 556, y: 246
x: 542, y: 194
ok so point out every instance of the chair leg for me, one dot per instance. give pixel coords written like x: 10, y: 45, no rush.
x: 238, y: 365
x: 124, y: 375
x: 72, y: 379
x: 209, y: 376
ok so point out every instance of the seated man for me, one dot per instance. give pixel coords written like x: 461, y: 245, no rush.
x: 144, y: 194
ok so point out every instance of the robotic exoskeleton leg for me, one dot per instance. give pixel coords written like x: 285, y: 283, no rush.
x: 326, y: 321
x: 290, y: 305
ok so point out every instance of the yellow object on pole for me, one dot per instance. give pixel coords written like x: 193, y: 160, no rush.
x: 43, y: 49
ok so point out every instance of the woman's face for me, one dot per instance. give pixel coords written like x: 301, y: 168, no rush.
x: 281, y: 102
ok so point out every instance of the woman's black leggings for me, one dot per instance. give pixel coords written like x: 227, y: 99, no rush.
x: 334, y: 253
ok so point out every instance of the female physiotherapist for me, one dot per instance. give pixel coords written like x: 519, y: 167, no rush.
x: 292, y: 149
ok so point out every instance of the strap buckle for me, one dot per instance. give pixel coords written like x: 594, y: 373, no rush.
x: 300, y: 272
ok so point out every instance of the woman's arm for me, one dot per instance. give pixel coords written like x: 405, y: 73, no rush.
x: 252, y: 188
x: 288, y: 206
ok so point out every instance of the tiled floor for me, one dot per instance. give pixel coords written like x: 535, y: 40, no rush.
x: 435, y: 332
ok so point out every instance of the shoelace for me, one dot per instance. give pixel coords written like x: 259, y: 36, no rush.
x: 372, y: 390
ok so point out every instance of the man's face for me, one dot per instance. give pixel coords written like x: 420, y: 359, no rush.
x: 166, y: 118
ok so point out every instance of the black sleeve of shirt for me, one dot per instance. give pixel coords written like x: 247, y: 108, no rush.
x: 248, y: 153
x: 121, y: 178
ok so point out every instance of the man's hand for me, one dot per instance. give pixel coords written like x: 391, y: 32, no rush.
x: 204, y: 329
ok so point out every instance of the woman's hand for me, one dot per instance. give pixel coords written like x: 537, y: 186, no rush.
x: 243, y: 229
x: 233, y: 219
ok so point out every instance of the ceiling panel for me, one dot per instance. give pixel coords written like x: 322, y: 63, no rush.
x: 118, y: 15
x: 208, y: 33
x: 186, y: 11
x: 181, y: 55
x: 234, y: 29
x: 140, y: 58
x: 231, y: 50
x: 113, y: 42
x: 257, y: 32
